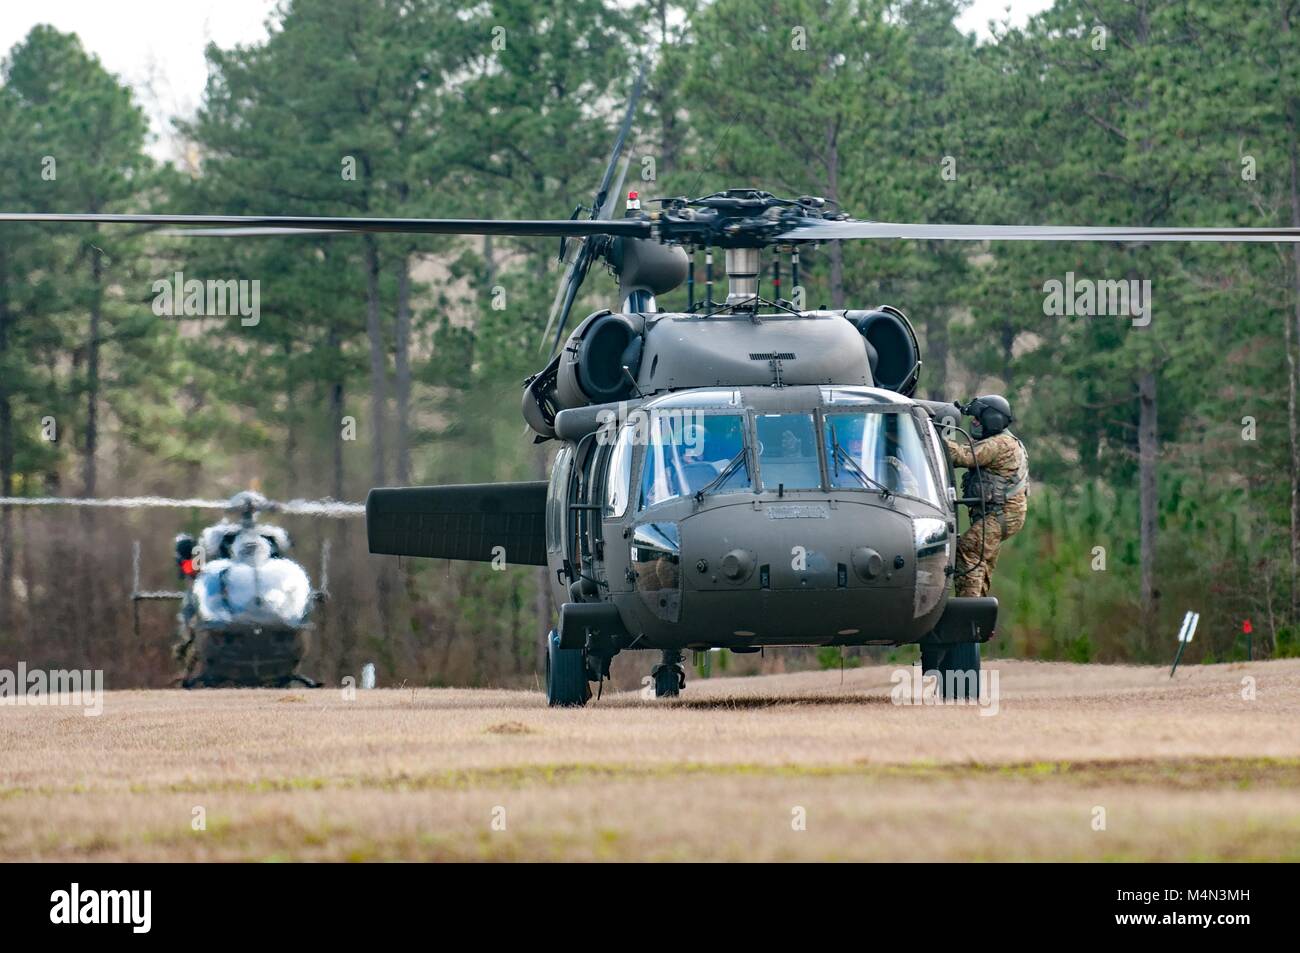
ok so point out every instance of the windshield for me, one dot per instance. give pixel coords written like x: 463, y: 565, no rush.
x: 689, y: 451
x: 878, y: 449
x: 787, y: 451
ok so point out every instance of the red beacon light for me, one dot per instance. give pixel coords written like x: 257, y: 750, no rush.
x: 633, y: 201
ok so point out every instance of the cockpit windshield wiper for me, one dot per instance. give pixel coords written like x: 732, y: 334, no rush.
x: 736, y: 462
x: 839, y: 453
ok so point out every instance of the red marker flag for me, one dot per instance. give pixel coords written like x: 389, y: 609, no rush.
x: 1247, y: 628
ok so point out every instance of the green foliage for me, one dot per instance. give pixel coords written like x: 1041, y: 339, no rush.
x: 508, y: 107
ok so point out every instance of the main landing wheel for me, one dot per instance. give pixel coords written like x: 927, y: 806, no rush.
x: 566, y: 675
x: 669, y: 676
x: 958, y: 667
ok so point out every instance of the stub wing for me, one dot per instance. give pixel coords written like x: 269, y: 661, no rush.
x: 480, y: 522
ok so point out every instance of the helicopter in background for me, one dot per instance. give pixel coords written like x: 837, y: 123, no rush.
x: 745, y: 473
x: 247, y: 613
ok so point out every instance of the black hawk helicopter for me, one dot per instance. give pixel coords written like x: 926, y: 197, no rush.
x: 744, y: 473
x: 247, y: 614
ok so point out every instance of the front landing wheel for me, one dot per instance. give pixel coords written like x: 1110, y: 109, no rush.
x: 669, y: 676
x: 566, y: 675
x: 958, y: 667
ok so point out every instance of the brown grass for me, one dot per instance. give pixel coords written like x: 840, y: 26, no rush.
x: 1185, y: 769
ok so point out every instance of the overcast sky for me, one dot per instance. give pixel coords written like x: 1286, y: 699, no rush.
x: 157, y: 45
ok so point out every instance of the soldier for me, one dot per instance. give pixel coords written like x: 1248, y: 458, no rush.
x: 998, y: 476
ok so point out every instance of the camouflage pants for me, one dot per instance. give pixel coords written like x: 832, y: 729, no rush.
x: 979, y: 546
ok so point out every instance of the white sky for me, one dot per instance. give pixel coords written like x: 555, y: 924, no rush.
x: 980, y: 12
x: 157, y: 45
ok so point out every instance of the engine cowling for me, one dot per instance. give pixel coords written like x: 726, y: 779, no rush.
x: 891, y: 347
x: 592, y: 362
x: 588, y: 369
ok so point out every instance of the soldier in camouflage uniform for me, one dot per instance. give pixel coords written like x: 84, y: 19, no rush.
x: 1001, y: 482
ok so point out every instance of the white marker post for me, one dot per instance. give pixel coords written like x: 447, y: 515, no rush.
x: 1184, y: 636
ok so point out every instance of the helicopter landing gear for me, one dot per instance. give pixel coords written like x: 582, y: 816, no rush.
x: 566, y: 675
x: 669, y: 676
x: 958, y: 667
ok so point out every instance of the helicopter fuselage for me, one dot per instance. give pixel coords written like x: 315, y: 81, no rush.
x: 750, y: 479
x: 754, y: 516
x: 246, y: 616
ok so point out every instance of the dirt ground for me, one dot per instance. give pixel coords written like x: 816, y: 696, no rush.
x: 1085, y: 762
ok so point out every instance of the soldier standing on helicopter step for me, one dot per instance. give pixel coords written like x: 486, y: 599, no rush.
x: 998, y: 476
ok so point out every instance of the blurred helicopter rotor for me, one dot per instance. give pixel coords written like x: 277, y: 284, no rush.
x: 593, y: 246
x: 244, y: 501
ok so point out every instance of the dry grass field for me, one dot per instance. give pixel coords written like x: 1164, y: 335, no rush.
x: 784, y: 767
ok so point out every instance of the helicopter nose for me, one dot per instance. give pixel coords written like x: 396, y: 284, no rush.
x: 807, y: 548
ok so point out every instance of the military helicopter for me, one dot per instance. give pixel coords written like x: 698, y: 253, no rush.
x: 746, y: 473
x: 246, y: 616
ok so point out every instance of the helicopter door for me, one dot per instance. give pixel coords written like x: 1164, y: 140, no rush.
x: 595, y: 509
x: 557, y: 525
x: 581, y: 540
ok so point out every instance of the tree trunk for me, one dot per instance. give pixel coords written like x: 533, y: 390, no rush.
x: 6, y: 457
x: 1292, y: 341
x: 669, y: 136
x: 97, y: 598
x: 291, y: 419
x: 936, y: 348
x: 88, y: 472
x: 1148, y: 491
x: 378, y: 408
x: 542, y: 601
x: 336, y: 422
x: 402, y: 370
x: 833, y: 194
x: 341, y: 620
x: 378, y: 363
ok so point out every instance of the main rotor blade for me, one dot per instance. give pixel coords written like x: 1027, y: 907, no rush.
x: 572, y: 228
x: 827, y: 231
x: 611, y: 198
x: 566, y: 279
x: 580, y: 262
x: 602, y: 193
x: 244, y: 232
x: 578, y: 276
x: 602, y: 208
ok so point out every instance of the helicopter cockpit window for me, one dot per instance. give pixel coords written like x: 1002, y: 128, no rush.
x: 618, y: 484
x: 690, y: 451
x: 868, y: 451
x: 787, y: 451
x: 556, y: 500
